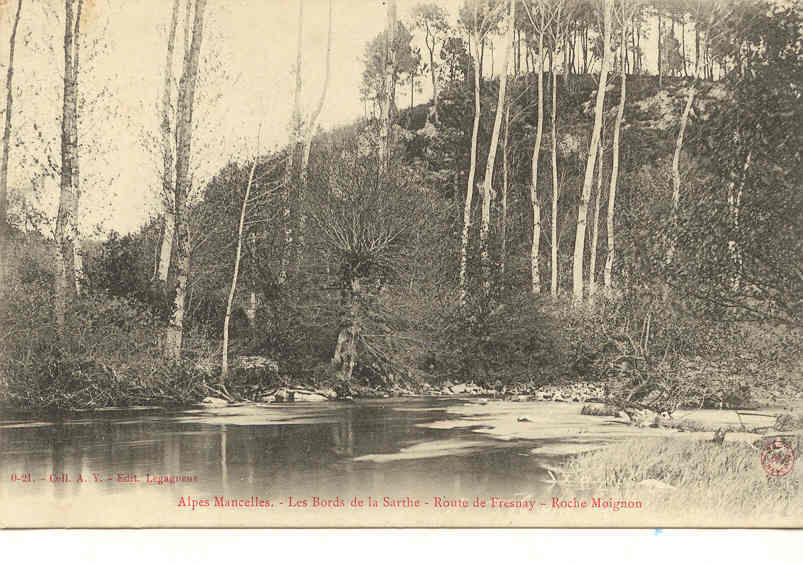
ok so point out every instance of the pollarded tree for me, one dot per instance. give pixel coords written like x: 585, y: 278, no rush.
x: 364, y: 216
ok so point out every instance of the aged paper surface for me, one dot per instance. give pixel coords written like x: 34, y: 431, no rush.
x: 461, y: 457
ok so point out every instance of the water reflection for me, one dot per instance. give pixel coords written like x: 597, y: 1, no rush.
x: 326, y: 450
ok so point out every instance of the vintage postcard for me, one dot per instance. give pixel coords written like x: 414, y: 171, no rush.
x: 400, y: 263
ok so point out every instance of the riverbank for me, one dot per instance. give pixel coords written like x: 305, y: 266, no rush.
x: 680, y: 477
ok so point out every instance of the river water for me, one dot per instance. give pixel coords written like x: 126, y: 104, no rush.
x: 398, y: 462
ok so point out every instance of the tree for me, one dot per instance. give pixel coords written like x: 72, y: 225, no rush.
x: 168, y: 136
x: 405, y: 61
x: 364, y: 216
x: 433, y: 19
x: 186, y: 100
x: 480, y: 23
x: 293, y: 146
x: 703, y: 16
x: 738, y: 238
x: 625, y: 13
x: 489, y: 168
x: 310, y: 130
x: 540, y: 22
x: 4, y: 230
x: 592, y: 267
x: 557, y: 32
x: 224, y: 364
x: 66, y: 230
x: 579, y: 241
x: 388, y: 102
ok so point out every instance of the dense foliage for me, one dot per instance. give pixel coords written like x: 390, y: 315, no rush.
x: 378, y: 249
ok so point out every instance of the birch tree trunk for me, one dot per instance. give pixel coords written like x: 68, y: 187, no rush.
x: 489, y: 168
x: 579, y: 241
x: 684, y: 119
x: 735, y: 192
x: 313, y: 120
x: 503, y: 216
x: 620, y: 112
x: 168, y: 227
x: 64, y: 220
x: 430, y: 37
x: 555, y: 188
x: 186, y: 101
x: 78, y: 263
x: 293, y: 146
x: 592, y: 267
x: 224, y: 364
x: 535, y: 247
x: 4, y: 228
x: 389, y: 87
x: 470, y: 184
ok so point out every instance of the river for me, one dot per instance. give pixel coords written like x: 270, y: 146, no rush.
x: 146, y: 467
x: 393, y: 462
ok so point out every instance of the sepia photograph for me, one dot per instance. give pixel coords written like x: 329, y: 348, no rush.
x: 401, y: 264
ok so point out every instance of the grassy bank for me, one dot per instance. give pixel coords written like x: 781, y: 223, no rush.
x: 689, y: 478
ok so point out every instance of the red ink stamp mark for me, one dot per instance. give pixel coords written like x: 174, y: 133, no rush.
x: 778, y: 458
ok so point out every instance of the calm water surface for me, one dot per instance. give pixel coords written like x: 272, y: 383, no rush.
x: 327, y: 450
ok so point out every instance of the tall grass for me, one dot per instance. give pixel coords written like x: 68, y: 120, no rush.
x: 705, y: 478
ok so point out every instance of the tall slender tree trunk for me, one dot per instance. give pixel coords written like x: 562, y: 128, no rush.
x: 553, y: 289
x: 582, y: 212
x: 684, y: 119
x: 293, y: 146
x: 697, y: 46
x: 5, y: 245
x: 489, y: 168
x: 660, y: 52
x: 65, y: 219
x: 638, y: 48
x: 386, y: 126
x: 224, y: 364
x: 464, y: 240
x: 505, y: 167
x: 592, y: 266
x: 168, y: 137
x: 430, y: 40
x: 535, y: 245
x: 735, y: 193
x: 683, y: 38
x: 311, y: 124
x: 620, y: 112
x: 78, y: 263
x: 186, y: 101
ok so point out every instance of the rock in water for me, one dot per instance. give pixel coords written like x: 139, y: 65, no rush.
x: 284, y: 395
x: 214, y: 402
x: 309, y: 396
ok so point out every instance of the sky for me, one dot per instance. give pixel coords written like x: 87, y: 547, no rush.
x: 247, y: 83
